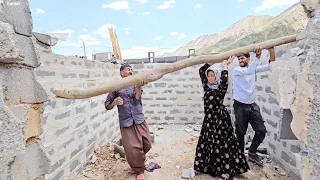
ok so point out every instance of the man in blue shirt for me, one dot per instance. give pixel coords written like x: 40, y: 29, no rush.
x: 134, y: 129
x: 245, y: 109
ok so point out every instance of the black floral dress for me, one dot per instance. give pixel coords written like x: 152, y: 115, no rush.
x: 218, y: 151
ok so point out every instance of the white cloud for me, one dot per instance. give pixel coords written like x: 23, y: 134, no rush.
x: 197, y: 6
x: 63, y: 33
x: 142, y: 52
x: 174, y: 33
x: 146, y: 13
x: 103, y: 30
x: 158, y: 38
x: 117, y: 5
x: 127, y: 30
x: 166, y: 4
x: 40, y: 11
x: 142, y: 1
x: 241, y: 0
x: 181, y: 36
x: 85, y: 30
x: 269, y: 4
x: 88, y: 40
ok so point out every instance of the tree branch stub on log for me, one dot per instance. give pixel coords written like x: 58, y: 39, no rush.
x: 159, y: 72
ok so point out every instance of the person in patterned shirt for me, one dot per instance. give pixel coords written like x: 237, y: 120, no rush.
x: 218, y: 152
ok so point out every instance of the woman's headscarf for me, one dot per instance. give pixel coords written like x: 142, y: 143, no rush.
x: 216, y: 68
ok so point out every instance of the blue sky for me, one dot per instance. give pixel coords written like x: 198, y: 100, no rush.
x: 141, y: 25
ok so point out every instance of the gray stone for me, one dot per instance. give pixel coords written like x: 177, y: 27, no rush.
x: 46, y: 39
x: 9, y: 48
x: 310, y: 6
x: 34, y: 161
x: 17, y: 14
x: 302, y: 34
x: 22, y: 86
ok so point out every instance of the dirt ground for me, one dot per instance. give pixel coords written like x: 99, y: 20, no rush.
x: 173, y: 150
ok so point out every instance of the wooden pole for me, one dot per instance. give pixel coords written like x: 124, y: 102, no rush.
x: 159, y: 72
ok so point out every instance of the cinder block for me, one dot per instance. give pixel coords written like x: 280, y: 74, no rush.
x: 22, y: 86
x: 34, y: 161
x: 18, y: 14
x: 9, y: 49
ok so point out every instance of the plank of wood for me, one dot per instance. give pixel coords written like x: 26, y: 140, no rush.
x: 158, y: 72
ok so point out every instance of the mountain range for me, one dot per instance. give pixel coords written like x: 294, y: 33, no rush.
x: 249, y: 30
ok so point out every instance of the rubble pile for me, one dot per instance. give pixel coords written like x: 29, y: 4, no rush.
x: 105, y: 163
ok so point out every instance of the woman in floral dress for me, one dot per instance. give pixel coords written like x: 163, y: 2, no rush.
x: 218, y: 152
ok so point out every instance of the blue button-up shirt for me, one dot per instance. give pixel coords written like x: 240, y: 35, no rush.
x: 131, y: 111
x: 244, y: 81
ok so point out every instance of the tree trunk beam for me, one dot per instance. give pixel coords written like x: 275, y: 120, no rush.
x: 160, y: 71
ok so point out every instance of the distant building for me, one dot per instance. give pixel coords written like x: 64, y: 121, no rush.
x: 83, y: 57
x: 104, y: 57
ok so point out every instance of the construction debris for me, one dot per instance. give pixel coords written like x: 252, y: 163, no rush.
x: 188, y: 174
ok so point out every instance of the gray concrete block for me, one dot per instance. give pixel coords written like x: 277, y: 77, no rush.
x: 265, y: 110
x: 9, y: 49
x: 295, y: 149
x: 288, y: 159
x: 22, y: 86
x: 271, y: 123
x: 92, y: 140
x: 103, y: 132
x: 18, y: 14
x: 74, y: 165
x: 62, y: 115
x: 273, y: 100
x: 61, y: 131
x: 259, y: 88
x: 59, y: 175
x: 272, y: 146
x: 46, y: 39
x: 34, y: 161
x: 76, y: 151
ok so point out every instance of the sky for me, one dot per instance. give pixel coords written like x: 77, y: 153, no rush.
x: 142, y: 26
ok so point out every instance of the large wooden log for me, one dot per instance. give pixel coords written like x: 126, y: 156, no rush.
x: 159, y: 72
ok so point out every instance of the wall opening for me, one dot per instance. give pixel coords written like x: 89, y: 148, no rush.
x: 285, y: 129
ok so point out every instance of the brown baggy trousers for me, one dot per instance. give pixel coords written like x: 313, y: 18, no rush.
x: 137, y: 142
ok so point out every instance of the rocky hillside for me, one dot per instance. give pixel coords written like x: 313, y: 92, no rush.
x: 251, y: 29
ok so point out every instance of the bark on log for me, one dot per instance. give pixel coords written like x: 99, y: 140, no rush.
x: 159, y: 72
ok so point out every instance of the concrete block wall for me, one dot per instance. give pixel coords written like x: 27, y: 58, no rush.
x: 21, y: 96
x: 72, y: 129
x: 176, y: 98
x: 281, y: 143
